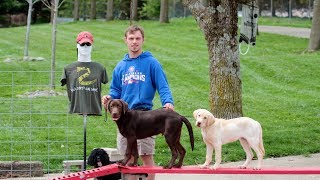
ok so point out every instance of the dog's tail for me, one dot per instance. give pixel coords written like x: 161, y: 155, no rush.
x: 189, y: 127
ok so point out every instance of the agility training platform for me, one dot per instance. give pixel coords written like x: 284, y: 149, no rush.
x: 143, y: 171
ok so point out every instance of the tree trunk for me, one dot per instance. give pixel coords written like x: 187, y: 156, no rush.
x: 26, y: 47
x: 164, y: 11
x: 76, y: 9
x: 109, y: 13
x: 54, y: 37
x: 134, y: 10
x: 93, y: 14
x: 84, y: 12
x: 314, y: 41
x: 218, y: 21
x: 52, y: 9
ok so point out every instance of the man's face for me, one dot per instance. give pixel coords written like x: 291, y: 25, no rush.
x: 134, y: 41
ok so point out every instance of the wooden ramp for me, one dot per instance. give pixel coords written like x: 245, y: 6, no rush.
x: 114, y: 168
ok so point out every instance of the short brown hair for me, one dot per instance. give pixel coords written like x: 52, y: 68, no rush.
x: 134, y: 28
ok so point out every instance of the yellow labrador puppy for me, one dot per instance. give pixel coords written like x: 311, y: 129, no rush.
x: 216, y: 132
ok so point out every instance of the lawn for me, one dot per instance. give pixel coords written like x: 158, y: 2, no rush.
x: 280, y: 85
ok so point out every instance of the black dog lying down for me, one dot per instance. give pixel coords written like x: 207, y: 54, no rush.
x: 99, y: 157
x: 135, y: 124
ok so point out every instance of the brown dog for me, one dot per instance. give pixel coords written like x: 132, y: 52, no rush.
x: 135, y: 124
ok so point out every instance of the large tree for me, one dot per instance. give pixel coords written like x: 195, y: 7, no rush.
x: 164, y: 11
x: 93, y: 10
x: 219, y: 23
x: 133, y: 10
x: 314, y: 42
x: 109, y: 14
x: 76, y: 10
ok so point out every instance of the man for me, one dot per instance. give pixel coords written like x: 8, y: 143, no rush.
x: 135, y: 80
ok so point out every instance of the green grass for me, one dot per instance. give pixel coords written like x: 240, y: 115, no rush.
x: 280, y: 89
x: 290, y: 22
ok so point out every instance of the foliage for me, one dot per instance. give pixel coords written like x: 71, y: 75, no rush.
x: 280, y: 90
x: 12, y: 6
x: 150, y: 9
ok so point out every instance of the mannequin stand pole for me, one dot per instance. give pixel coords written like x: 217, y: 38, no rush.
x: 84, y: 142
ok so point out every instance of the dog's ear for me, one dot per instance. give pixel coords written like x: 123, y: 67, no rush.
x: 108, y: 105
x: 210, y: 119
x: 105, y: 160
x: 195, y: 113
x: 91, y: 158
x: 124, y: 106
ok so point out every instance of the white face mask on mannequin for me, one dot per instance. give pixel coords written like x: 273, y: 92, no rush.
x: 84, y: 53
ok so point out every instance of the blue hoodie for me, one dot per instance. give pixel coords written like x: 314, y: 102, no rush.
x: 135, y: 80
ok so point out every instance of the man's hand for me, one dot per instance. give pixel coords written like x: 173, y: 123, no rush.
x: 169, y: 106
x: 105, y: 99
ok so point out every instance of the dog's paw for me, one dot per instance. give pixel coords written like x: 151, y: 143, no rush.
x: 214, y: 167
x: 169, y: 166
x: 204, y: 166
x: 132, y: 164
x: 257, y: 168
x: 178, y: 165
x: 242, y: 167
x: 123, y: 163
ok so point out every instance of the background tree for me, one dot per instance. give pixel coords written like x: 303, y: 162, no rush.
x: 314, y: 40
x: 219, y: 23
x: 164, y: 11
x: 134, y: 10
x: 76, y: 10
x: 93, y: 10
x: 55, y: 7
x: 26, y: 46
x: 109, y: 14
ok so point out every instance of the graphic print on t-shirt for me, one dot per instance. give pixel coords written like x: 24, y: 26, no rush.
x: 132, y: 76
x: 85, y: 75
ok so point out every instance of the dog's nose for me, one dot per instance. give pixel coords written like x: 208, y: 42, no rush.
x: 198, y: 124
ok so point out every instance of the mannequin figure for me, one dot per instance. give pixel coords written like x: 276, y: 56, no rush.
x: 84, y: 46
x: 83, y: 79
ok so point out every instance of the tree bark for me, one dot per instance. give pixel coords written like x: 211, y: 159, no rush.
x: 52, y: 13
x: 218, y: 21
x: 164, y: 11
x: 54, y: 40
x: 109, y: 14
x: 76, y: 8
x: 26, y: 46
x: 134, y: 10
x: 93, y: 14
x: 314, y: 40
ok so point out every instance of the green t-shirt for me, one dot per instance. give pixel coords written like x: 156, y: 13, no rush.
x: 83, y: 80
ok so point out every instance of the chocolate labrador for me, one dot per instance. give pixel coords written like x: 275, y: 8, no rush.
x: 135, y: 124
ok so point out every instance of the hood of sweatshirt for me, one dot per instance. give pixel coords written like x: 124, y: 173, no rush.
x: 142, y: 55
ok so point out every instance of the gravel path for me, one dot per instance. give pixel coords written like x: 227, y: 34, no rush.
x: 289, y: 31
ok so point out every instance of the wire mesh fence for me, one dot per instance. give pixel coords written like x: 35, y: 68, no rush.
x: 37, y: 133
